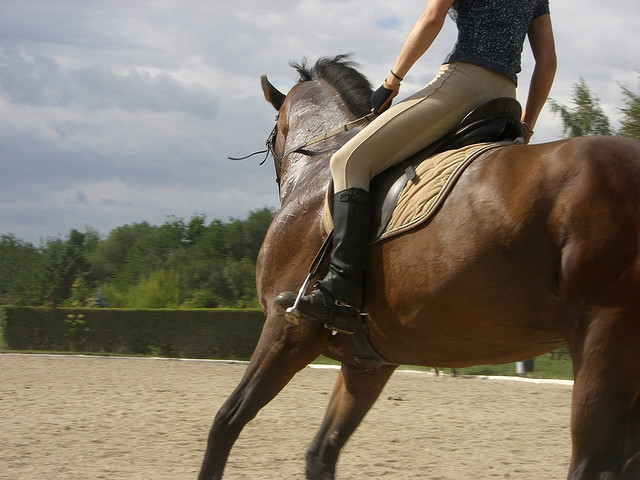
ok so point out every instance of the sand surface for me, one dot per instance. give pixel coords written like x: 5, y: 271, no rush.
x: 87, y: 418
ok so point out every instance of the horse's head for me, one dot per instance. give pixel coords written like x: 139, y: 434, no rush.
x: 328, y: 95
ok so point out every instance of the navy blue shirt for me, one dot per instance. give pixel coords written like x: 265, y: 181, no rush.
x: 491, y: 33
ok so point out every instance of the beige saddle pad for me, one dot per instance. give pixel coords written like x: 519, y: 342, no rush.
x: 421, y: 197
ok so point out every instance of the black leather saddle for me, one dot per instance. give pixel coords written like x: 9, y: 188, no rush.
x: 493, y: 121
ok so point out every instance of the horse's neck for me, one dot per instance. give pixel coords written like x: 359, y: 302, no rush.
x: 313, y: 109
x: 305, y: 180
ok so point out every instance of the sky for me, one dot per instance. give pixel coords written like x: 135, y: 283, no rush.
x: 116, y: 112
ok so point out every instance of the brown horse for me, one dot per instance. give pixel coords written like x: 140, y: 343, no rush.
x: 536, y: 246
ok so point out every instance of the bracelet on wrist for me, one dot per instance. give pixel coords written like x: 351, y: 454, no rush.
x: 398, y: 77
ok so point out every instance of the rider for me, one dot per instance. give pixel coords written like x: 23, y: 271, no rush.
x: 483, y: 65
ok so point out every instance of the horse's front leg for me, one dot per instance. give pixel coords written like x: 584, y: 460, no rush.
x: 282, y: 351
x: 356, y: 390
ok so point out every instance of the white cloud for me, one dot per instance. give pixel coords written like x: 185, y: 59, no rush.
x: 119, y: 112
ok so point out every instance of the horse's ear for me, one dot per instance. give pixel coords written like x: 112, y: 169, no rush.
x: 271, y: 93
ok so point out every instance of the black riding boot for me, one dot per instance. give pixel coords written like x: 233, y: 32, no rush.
x: 337, y: 299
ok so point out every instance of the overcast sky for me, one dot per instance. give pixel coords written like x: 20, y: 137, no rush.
x: 116, y: 112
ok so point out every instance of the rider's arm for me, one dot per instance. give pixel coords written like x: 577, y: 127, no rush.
x: 420, y: 38
x: 544, y: 52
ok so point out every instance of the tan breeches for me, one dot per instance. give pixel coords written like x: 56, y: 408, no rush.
x: 411, y: 125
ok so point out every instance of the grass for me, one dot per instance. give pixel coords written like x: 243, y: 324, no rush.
x: 545, y: 366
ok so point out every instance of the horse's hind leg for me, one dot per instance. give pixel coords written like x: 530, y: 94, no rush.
x: 356, y: 390
x: 632, y: 448
x: 605, y: 391
x: 282, y: 351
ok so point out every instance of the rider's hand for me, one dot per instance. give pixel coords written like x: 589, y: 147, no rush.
x: 382, y: 97
x: 527, y: 131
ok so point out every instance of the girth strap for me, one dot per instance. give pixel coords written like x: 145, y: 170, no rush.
x: 362, y: 349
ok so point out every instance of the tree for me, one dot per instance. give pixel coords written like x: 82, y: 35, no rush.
x: 110, y: 256
x: 630, y: 124
x: 161, y: 289
x: 257, y: 224
x: 64, y: 264
x: 587, y: 117
x: 178, y: 263
x: 20, y: 265
x: 240, y: 278
x: 195, y: 228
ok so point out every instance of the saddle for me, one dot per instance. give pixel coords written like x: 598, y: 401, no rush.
x: 494, y: 121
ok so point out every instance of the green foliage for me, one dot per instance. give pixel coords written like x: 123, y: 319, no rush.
x: 587, y: 117
x: 630, y: 125
x: 19, y: 272
x: 63, y: 265
x: 161, y: 289
x: 177, y: 264
x: 76, y: 330
x: 230, y: 334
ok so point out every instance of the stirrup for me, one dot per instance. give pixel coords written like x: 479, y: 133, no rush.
x: 340, y: 317
x: 292, y: 314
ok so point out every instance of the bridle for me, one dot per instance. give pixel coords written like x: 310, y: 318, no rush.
x: 271, y: 144
x: 270, y: 150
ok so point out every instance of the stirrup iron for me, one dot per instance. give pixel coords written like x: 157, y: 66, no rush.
x: 292, y: 314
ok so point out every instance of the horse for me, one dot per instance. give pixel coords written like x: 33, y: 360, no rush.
x: 536, y: 247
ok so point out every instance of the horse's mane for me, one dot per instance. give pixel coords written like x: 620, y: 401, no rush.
x: 339, y: 71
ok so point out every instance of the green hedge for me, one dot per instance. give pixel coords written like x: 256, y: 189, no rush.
x: 215, y: 333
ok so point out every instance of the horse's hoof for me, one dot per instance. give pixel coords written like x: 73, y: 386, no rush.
x: 318, y: 470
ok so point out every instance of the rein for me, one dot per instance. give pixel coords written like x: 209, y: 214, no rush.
x: 347, y: 126
x: 271, y: 140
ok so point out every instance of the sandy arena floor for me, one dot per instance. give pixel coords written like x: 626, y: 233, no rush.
x: 83, y: 418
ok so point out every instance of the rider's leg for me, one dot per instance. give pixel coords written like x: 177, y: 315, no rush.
x: 337, y: 300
